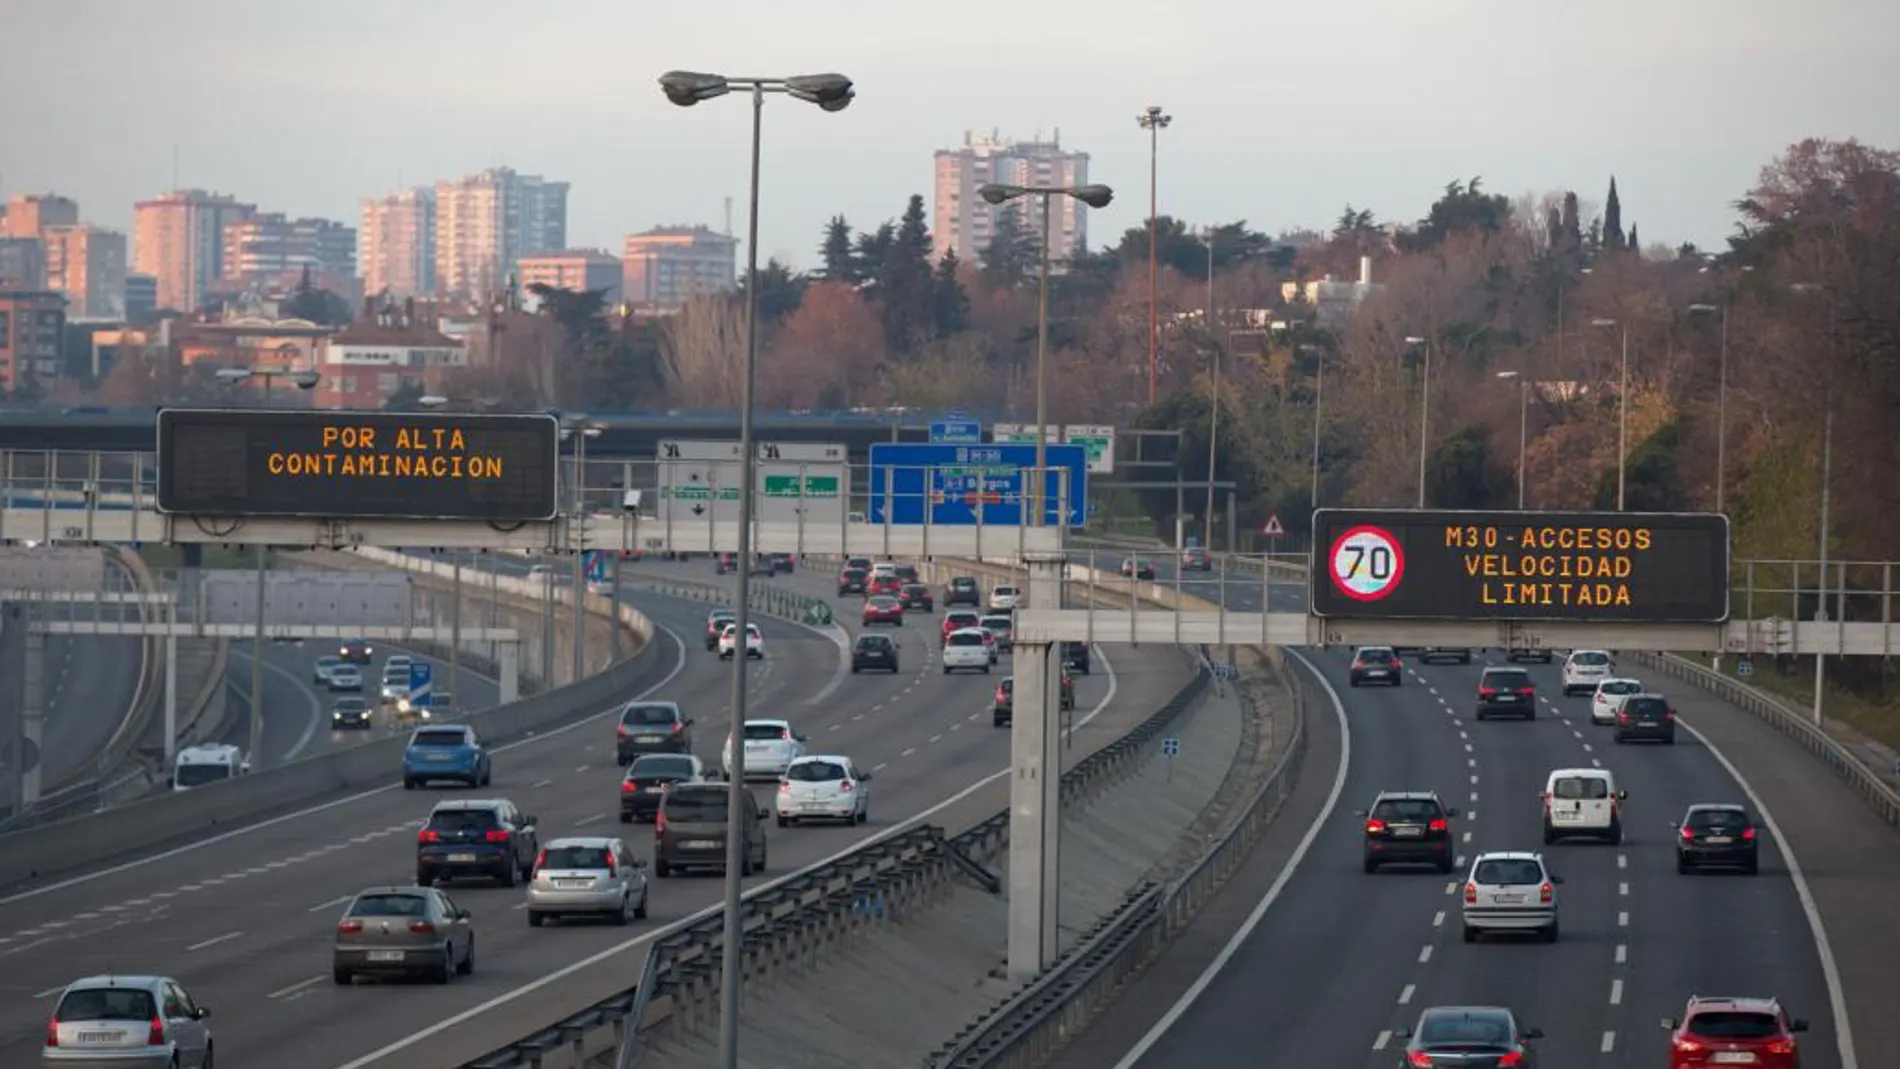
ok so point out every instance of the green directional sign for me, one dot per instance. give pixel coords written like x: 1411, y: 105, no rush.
x: 700, y: 492
x: 787, y: 486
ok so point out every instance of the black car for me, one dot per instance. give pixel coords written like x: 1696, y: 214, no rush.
x: 356, y: 651
x: 764, y: 564
x: 1138, y: 568
x: 491, y: 839
x: 962, y: 590
x: 1408, y: 828
x: 916, y: 597
x: 873, y: 653
x: 1717, y: 835
x: 906, y: 573
x: 1075, y: 658
x: 649, y: 778
x: 351, y: 713
x: 1376, y: 664
x: 1458, y: 654
x: 1003, y: 703
x: 853, y: 581
x: 652, y: 727
x: 784, y: 562
x: 716, y: 622
x: 1506, y: 692
x: 1470, y: 1037
x: 1646, y: 717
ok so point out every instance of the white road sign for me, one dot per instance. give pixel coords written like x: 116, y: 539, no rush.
x: 1098, y: 440
x: 1366, y: 563
x: 699, y: 481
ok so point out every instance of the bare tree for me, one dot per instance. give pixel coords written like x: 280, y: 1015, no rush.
x: 703, y: 346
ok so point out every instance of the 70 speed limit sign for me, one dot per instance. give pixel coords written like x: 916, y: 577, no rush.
x: 1366, y: 563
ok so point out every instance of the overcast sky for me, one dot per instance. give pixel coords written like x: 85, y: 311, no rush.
x: 1283, y: 112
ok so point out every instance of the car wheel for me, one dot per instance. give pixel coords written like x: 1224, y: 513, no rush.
x: 1471, y: 934
x: 468, y: 958
x: 946, y: 669
x: 1619, y: 738
x: 640, y: 910
x: 864, y: 816
x: 1550, y: 835
x: 510, y: 875
x: 1616, y: 833
x: 1669, y: 740
x: 1397, y: 681
x: 444, y: 972
x: 1753, y: 867
x: 784, y: 822
x: 745, y: 863
x: 1549, y: 934
x: 536, y: 920
x: 424, y: 878
x: 662, y: 869
x: 1445, y: 865
x: 624, y: 913
x: 625, y: 817
x: 1682, y: 866
x: 1370, y: 865
x: 986, y: 669
x: 854, y: 669
x: 1479, y: 715
x: 1352, y: 683
x: 342, y: 977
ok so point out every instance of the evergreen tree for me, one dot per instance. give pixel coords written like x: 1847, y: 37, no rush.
x: 873, y: 249
x: 949, y: 301
x: 904, y: 280
x: 1573, y: 224
x: 838, y: 254
x: 1554, y: 231
x: 1613, y: 219
x: 1636, y: 245
x: 1012, y: 254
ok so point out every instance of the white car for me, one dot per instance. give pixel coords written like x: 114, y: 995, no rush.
x: 729, y: 641
x: 395, y: 684
x: 770, y: 748
x: 823, y: 788
x: 320, y: 672
x: 1005, y: 598
x: 1609, y: 697
x: 1511, y: 891
x: 964, y: 649
x: 1583, y: 802
x: 1584, y: 669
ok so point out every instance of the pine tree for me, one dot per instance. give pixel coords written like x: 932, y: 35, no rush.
x: 1613, y: 218
x: 1012, y: 252
x: 949, y: 301
x: 904, y: 280
x: 1573, y: 224
x: 873, y: 249
x: 1554, y: 231
x: 839, y: 256
x: 1636, y: 246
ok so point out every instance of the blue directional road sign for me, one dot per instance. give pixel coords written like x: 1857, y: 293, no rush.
x: 596, y: 566
x: 1171, y: 747
x: 421, y: 683
x: 949, y: 482
x: 956, y: 429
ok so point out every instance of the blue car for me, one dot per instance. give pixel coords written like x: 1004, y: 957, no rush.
x: 445, y: 752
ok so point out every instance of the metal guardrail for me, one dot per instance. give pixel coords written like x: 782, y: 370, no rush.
x: 765, y: 597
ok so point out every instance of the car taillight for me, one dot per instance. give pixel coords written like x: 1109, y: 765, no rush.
x: 628, y: 786
x: 1511, y: 1058
x: 1781, y: 1046
x: 679, y: 726
x: 784, y: 786
x: 1685, y: 1045
x: 1623, y: 717
x: 1418, y: 1059
x: 155, y: 1035
x: 846, y: 786
x: 1471, y: 893
x: 1000, y: 695
x: 785, y: 736
x: 1394, y: 664
x: 1546, y: 893
x: 1438, y: 824
x: 540, y: 859
x: 422, y: 927
x: 1669, y: 714
x: 1546, y: 803
x: 428, y: 835
x: 623, y: 731
x: 1527, y: 691
x: 1375, y: 827
x: 350, y: 927
x: 659, y: 824
x: 1487, y: 692
x: 612, y: 869
x: 1688, y: 834
x: 496, y: 837
x: 1748, y: 835
x: 52, y: 1031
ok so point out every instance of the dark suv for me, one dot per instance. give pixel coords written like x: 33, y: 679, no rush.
x: 1408, y: 828
x: 689, y: 832
x: 1646, y: 716
x: 873, y: 653
x: 484, y: 839
x: 1506, y: 692
x: 1717, y: 835
x: 962, y: 591
x: 852, y: 581
x: 1003, y: 703
x: 1075, y: 658
x: 652, y: 727
x: 1376, y: 664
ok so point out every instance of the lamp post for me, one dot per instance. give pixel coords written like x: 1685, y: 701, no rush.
x: 576, y: 430
x: 1827, y: 474
x: 484, y: 404
x: 830, y: 92
x: 1154, y: 120
x: 1095, y: 196
x: 303, y: 380
x: 1622, y: 408
x: 1721, y: 401
x: 1424, y: 409
x: 1523, y: 427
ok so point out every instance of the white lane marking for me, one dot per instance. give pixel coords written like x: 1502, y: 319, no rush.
x: 1622, y: 953
x: 879, y: 767
x: 590, y: 819
x: 1405, y: 994
x: 557, y: 975
x: 49, y: 992
x: 908, y: 752
x: 1623, y: 919
x: 1438, y: 919
x: 215, y: 940
x: 538, y: 784
x: 1616, y: 992
x: 1609, y: 1043
x: 1467, y: 837
x: 1622, y: 888
x: 581, y: 769
x: 1474, y: 780
x: 1424, y: 953
x: 936, y: 738
x: 1378, y: 1042
x: 296, y: 987
x: 1622, y: 861
x: 1451, y: 888
x: 331, y: 904
x: 679, y: 665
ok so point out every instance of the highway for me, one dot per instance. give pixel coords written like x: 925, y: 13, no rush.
x: 89, y: 687
x: 244, y: 918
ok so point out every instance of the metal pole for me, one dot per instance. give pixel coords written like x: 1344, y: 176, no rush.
x: 1154, y: 258
x: 1424, y: 417
x: 731, y: 960
x: 1042, y: 371
x: 1827, y: 473
x: 1523, y: 434
x: 1213, y: 405
x: 257, y: 670
x: 1623, y: 421
x: 577, y: 532
x: 455, y: 630
x: 1721, y: 415
x: 1319, y: 397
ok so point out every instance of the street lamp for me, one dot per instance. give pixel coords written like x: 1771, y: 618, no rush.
x: 1424, y: 408
x: 1095, y: 196
x: 436, y: 402
x: 1721, y: 400
x: 1827, y: 474
x: 1154, y: 120
x: 1523, y: 427
x: 304, y: 380
x: 1622, y: 408
x: 575, y: 429
x: 830, y: 92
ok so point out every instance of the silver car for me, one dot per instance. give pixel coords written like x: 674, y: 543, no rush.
x: 587, y: 877
x: 1511, y: 892
x: 404, y: 932
x: 320, y: 672
x: 127, y: 1022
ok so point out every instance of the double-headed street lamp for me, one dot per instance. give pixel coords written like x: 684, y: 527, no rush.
x: 303, y: 380
x: 1622, y: 407
x: 436, y: 402
x: 831, y: 92
x: 1523, y: 427
x: 1095, y: 196
x: 1154, y: 120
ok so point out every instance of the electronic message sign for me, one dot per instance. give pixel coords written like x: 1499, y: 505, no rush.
x: 358, y: 465
x: 1574, y: 566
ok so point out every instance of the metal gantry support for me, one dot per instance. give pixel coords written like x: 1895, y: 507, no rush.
x: 1035, y: 788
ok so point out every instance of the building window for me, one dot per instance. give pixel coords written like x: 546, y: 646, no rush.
x: 5, y: 333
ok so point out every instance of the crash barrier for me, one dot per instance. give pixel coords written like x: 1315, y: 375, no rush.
x: 763, y: 597
x: 61, y: 846
x: 790, y: 920
x: 1795, y: 722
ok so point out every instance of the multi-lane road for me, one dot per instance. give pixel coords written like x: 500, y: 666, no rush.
x: 244, y: 918
x: 89, y: 688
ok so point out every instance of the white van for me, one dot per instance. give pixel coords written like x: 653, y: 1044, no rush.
x: 1583, y: 802
x: 199, y: 765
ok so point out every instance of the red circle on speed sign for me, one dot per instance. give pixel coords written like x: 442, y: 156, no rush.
x: 1366, y: 563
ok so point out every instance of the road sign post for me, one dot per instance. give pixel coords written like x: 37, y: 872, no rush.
x: 954, y: 428
x: 1170, y: 749
x: 1274, y: 530
x: 421, y: 684
x: 963, y: 485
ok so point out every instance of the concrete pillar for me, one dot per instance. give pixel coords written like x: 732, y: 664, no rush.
x: 1035, y: 791
x: 509, y: 656
x: 32, y: 715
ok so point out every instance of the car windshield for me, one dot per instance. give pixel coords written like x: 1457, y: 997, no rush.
x: 720, y: 619
x: 696, y: 807
x: 1376, y: 653
x: 965, y: 638
x: 106, y: 1004
x: 1406, y: 810
x: 428, y: 737
x: 327, y: 662
x: 393, y: 904
x: 1734, y: 1024
x: 346, y: 671
x: 998, y: 623
x: 1649, y: 707
x: 198, y: 775
x: 1718, y: 818
x: 1007, y: 686
x: 1507, y: 679
x: 961, y: 619
x: 1590, y: 658
x: 1508, y: 872
x: 916, y: 588
x: 463, y: 820
x: 883, y: 604
x: 660, y: 766
x: 873, y: 643
x: 1577, y: 788
x: 764, y: 732
x: 855, y: 575
x: 1465, y: 1029
x: 1621, y: 686
x: 649, y: 714
x: 575, y: 857
x: 963, y: 582
x: 815, y: 772
x: 1005, y: 591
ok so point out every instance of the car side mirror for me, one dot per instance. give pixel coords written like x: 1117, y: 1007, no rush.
x: 764, y: 813
x: 1623, y: 796
x: 689, y: 721
x: 530, y: 822
x: 1402, y: 1033
x: 1797, y: 1025
x: 1556, y: 880
x: 1451, y: 811
x: 1669, y: 1024
x: 203, y: 1012
x: 463, y: 915
x: 1533, y: 1033
x: 802, y: 738
x: 639, y: 862
x: 866, y: 778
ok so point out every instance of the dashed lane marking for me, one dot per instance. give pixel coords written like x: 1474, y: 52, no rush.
x: 1609, y: 1043
x: 215, y: 940
x: 1380, y: 1041
x: 1424, y: 953
x: 331, y: 904
x: 1405, y: 994
x: 1616, y: 992
x: 296, y: 987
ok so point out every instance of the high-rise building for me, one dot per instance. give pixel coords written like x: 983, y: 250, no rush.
x: 141, y: 299
x: 271, y: 250
x: 32, y: 329
x: 28, y: 214
x: 966, y: 223
x: 22, y: 263
x: 579, y: 270
x: 398, y: 244
x: 485, y: 223
x: 668, y: 264
x: 86, y: 264
x: 179, y: 240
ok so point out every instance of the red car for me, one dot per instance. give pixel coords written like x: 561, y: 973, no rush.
x: 1734, y: 1031
x: 884, y: 586
x: 883, y: 610
x: 957, y: 621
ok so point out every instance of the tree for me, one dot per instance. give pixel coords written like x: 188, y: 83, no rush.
x: 838, y: 254
x: 949, y: 301
x: 1635, y: 243
x: 702, y: 349
x: 873, y: 249
x: 1573, y: 225
x: 827, y: 354
x: 1012, y: 253
x: 903, y: 281
x: 780, y: 290
x: 319, y: 306
x: 1613, y: 219
x: 1462, y: 473
x: 1463, y: 209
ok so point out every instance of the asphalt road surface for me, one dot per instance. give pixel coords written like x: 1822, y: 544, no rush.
x: 89, y: 687
x: 244, y: 919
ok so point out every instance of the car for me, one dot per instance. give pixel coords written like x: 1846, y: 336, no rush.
x: 205, y: 763
x: 1520, y: 654
x: 770, y: 745
x: 1584, y: 669
x: 852, y: 581
x: 1408, y: 828
x: 356, y: 651
x: 320, y: 671
x: 484, y: 838
x: 1506, y: 692
x: 873, y: 653
x: 823, y: 788
x: 1608, y: 698
x: 1510, y: 891
x: 1646, y: 717
x: 725, y: 563
x: 1196, y: 560
x: 729, y: 641
x: 1075, y: 658
x: 962, y: 590
x: 1435, y: 654
x: 403, y: 931
x: 716, y: 623
x: 884, y: 569
x: 651, y: 727
x: 905, y: 573
x: 884, y: 586
x: 1002, y: 629
x: 445, y: 752
x: 1003, y: 702
x: 863, y: 564
x: 883, y: 609
x: 351, y: 713
x: 1376, y: 664
x: 783, y: 562
x: 916, y: 597
x: 764, y: 564
x: 587, y: 876
x: 398, y: 662
x: 1468, y: 1036
x: 1734, y: 1030
x: 1005, y: 598
x: 1717, y: 835
x: 1583, y: 802
x: 345, y: 677
x: 650, y: 777
x: 1138, y: 568
x: 395, y: 686
x: 128, y: 1020
x: 960, y: 620
x: 690, y: 831
x: 965, y: 651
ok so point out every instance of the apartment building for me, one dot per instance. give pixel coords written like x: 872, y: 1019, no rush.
x: 27, y: 214
x: 86, y: 265
x: 178, y: 239
x: 398, y: 244
x: 22, y: 264
x: 32, y: 327
x: 965, y: 223
x: 369, y: 360
x: 485, y: 223
x: 272, y: 251
x: 663, y: 267
x: 579, y: 270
